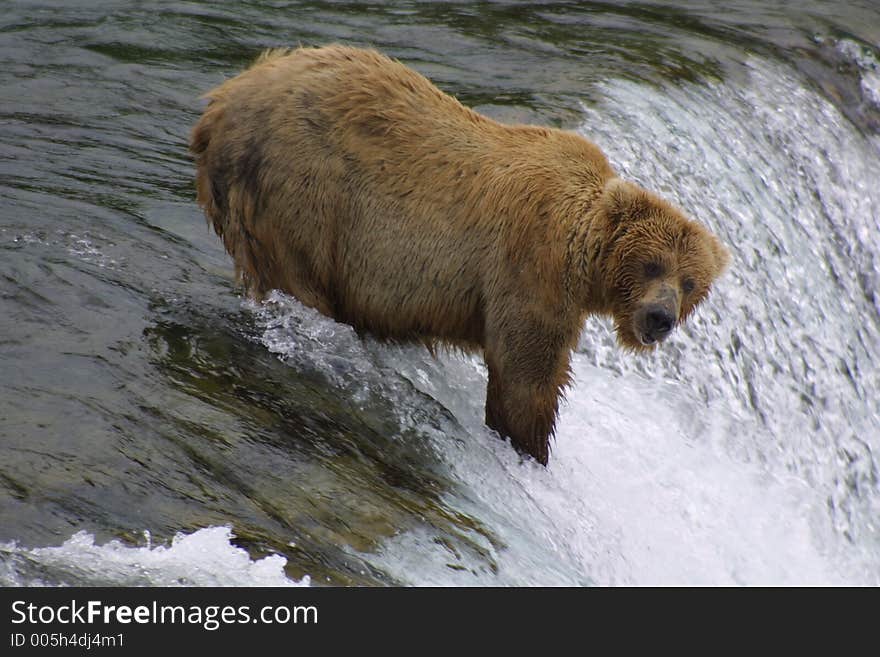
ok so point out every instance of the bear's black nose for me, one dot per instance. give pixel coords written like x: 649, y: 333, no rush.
x: 658, y: 322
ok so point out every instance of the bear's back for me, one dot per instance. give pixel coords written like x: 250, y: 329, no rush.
x: 351, y: 181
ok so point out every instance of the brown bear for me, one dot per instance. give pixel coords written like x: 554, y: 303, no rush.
x: 348, y: 180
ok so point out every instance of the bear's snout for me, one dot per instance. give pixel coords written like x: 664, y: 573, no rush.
x: 657, y: 322
x: 655, y: 319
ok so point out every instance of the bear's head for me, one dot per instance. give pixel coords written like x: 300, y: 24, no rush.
x: 655, y: 265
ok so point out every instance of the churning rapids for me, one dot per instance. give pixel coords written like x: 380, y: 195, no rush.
x: 155, y: 428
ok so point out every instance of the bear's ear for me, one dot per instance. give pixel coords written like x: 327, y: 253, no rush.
x: 624, y: 201
x: 722, y: 255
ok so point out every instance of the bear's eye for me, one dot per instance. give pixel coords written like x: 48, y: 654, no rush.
x: 653, y: 269
x: 688, y: 285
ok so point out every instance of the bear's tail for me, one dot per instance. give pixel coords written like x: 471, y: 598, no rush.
x: 229, y: 198
x: 212, y: 181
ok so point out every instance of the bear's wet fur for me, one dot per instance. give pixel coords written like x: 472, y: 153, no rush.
x: 351, y: 182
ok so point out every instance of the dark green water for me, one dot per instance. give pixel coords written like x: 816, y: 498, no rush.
x: 138, y: 393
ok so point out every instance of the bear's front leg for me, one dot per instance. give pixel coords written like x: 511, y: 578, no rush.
x: 526, y: 378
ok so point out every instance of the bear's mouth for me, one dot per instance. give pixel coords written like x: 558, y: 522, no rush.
x: 653, y: 324
x: 646, y: 340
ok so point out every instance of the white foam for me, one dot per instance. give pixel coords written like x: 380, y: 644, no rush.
x: 86, y: 247
x: 205, y: 557
x: 868, y: 65
x: 642, y: 486
x: 638, y: 492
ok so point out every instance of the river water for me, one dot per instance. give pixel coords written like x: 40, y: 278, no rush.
x: 157, y: 428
